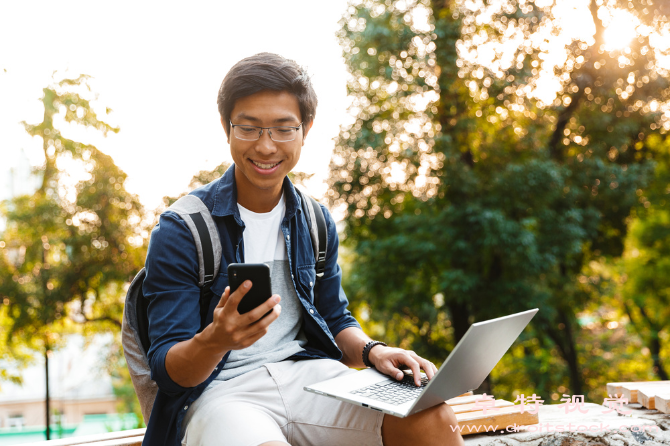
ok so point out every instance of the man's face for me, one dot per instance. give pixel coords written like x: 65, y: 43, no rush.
x: 260, y: 166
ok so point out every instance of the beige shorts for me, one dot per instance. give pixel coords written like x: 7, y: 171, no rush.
x: 269, y: 404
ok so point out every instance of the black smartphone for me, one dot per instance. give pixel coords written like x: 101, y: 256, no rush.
x: 261, y: 289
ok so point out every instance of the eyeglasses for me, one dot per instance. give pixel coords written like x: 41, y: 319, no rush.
x: 280, y: 133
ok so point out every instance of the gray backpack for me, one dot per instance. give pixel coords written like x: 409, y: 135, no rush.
x: 135, y: 330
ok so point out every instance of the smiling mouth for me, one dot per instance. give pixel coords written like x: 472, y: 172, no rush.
x: 265, y: 166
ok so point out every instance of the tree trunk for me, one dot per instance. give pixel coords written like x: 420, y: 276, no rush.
x: 46, y: 339
x: 566, y: 346
x: 459, y: 319
x: 573, y: 365
x: 46, y: 369
x: 655, y: 348
x: 654, y: 343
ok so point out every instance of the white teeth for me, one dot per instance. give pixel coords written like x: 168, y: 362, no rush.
x: 264, y: 166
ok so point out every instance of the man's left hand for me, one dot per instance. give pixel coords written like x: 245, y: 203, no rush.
x: 388, y: 360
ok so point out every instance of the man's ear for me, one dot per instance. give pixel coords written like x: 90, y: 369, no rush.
x: 307, y: 127
x: 225, y: 129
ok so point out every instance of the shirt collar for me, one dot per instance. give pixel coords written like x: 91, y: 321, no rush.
x: 223, y: 206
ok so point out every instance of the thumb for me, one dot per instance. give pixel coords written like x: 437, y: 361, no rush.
x: 387, y: 368
x: 398, y: 374
x: 393, y: 371
x: 224, y: 298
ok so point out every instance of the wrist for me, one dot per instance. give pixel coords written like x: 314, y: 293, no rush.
x: 205, y: 342
x: 375, y: 352
x: 367, y: 359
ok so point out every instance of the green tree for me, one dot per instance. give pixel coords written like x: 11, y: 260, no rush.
x: 642, y: 276
x: 69, y: 250
x: 14, y: 358
x: 466, y: 196
x: 78, y: 243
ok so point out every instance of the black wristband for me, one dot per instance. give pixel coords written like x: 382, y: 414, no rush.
x: 366, y: 352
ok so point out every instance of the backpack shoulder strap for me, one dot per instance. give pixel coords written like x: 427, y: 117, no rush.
x: 319, y: 235
x: 208, y: 246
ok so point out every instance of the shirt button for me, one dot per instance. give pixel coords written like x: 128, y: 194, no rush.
x: 288, y: 237
x: 311, y: 311
x: 185, y: 407
x: 311, y: 284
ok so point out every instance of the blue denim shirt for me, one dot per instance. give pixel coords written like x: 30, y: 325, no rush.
x: 171, y: 285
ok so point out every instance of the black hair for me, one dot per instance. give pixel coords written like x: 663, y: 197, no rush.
x: 266, y: 71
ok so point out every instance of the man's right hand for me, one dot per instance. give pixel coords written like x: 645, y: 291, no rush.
x: 189, y: 363
x: 231, y: 330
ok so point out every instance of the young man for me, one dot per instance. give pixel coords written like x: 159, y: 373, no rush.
x: 240, y: 380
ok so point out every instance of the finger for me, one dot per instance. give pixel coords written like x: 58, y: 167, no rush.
x: 261, y: 326
x: 425, y: 364
x: 224, y: 298
x: 272, y: 315
x: 237, y: 296
x: 252, y: 333
x: 387, y: 367
x: 392, y: 371
x: 258, y: 312
x: 415, y: 367
x: 428, y: 367
x: 252, y: 338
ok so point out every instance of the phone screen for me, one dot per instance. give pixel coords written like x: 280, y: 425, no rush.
x: 261, y: 290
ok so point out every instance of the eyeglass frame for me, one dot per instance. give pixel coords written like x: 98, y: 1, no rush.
x: 260, y: 133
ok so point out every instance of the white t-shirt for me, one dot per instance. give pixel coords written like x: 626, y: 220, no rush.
x: 263, y: 239
x: 264, y: 243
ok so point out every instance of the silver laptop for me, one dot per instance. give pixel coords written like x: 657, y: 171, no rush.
x: 468, y: 364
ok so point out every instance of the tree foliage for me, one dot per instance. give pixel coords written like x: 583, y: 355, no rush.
x: 70, y: 247
x: 641, y: 283
x: 469, y: 191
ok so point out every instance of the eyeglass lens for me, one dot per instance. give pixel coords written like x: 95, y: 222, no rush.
x: 278, y: 134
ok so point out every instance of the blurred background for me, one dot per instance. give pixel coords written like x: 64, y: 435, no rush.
x: 481, y: 158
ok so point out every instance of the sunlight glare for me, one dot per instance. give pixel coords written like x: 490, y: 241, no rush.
x: 420, y: 19
x: 574, y: 19
x: 621, y: 29
x: 546, y: 88
x: 398, y: 174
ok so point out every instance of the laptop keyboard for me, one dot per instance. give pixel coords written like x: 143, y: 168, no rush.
x: 394, y: 392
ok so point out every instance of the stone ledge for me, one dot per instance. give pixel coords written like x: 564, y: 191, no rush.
x: 641, y: 427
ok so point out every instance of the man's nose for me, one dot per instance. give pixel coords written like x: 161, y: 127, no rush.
x: 265, y: 144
